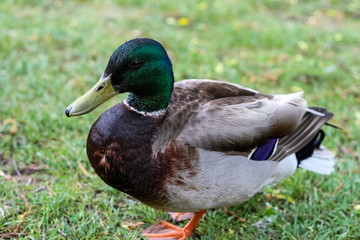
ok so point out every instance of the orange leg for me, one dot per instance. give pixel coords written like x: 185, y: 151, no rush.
x: 177, y: 232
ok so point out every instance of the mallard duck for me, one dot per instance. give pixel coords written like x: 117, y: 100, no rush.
x: 195, y: 144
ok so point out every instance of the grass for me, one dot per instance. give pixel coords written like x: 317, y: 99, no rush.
x: 53, y: 51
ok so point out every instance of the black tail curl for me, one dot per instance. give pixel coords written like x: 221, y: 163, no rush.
x: 309, y: 148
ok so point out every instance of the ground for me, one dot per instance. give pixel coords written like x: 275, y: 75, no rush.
x: 54, y: 51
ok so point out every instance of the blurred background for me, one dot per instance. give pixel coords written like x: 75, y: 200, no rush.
x: 51, y: 52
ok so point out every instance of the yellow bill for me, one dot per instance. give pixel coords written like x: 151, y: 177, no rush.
x: 100, y: 93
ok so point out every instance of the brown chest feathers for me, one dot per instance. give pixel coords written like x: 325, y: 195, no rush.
x: 119, y: 148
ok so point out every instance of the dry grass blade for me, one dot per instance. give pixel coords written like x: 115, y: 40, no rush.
x: 337, y: 189
x: 16, y: 169
x: 62, y: 233
x: 234, y: 214
x: 24, y: 216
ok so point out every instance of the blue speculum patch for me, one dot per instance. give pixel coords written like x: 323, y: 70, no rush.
x: 265, y: 151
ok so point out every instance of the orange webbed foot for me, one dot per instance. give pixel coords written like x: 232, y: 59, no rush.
x: 181, y: 216
x: 165, y: 230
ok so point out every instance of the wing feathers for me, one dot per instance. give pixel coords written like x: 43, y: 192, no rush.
x: 306, y: 131
x: 220, y: 116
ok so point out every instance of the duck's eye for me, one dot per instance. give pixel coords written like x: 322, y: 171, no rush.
x: 99, y: 88
x: 134, y: 64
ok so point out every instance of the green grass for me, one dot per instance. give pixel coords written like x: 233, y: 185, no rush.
x: 51, y: 52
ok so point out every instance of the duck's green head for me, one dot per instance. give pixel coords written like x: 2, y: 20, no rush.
x: 141, y: 67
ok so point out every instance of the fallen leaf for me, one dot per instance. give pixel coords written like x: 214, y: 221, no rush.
x: 131, y: 225
x: 14, y: 125
x: 279, y: 196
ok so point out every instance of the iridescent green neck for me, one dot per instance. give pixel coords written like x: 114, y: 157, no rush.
x: 149, y: 103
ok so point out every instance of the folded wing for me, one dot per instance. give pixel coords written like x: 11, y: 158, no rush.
x: 225, y: 117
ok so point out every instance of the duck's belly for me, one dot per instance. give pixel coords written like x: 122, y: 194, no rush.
x: 222, y: 180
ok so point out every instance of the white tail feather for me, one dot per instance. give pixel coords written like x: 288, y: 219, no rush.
x: 322, y: 161
x: 315, y: 112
